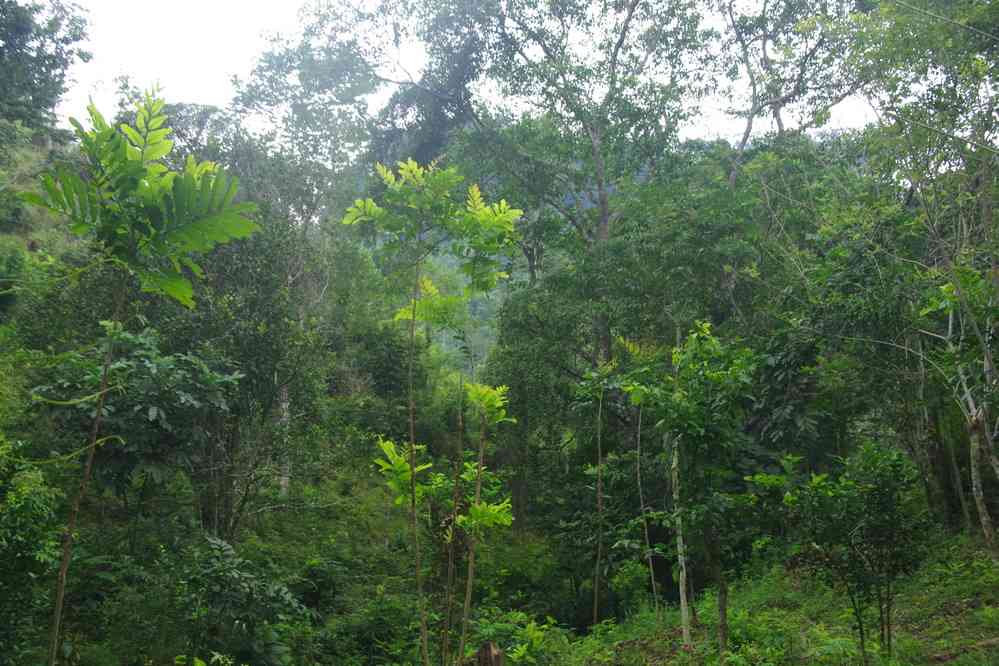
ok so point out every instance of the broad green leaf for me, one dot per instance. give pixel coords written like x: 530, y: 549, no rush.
x: 174, y: 285
x: 132, y: 135
x: 157, y: 151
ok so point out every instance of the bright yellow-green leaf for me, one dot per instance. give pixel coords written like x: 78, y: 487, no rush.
x: 157, y: 151
x: 132, y: 135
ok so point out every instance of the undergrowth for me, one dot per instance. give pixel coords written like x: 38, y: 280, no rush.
x: 947, y: 612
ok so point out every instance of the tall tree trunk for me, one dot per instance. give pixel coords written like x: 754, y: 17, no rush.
x: 74, y: 512
x: 984, y: 517
x: 889, y: 603
x: 722, y: 583
x: 455, y: 501
x: 976, y: 428
x: 601, y: 321
x: 681, y: 551
x: 519, y: 483
x: 925, y: 445
x: 755, y: 105
x: 717, y: 570
x: 600, y: 509
x: 958, y: 482
x: 470, y: 577
x: 284, y: 419
x: 645, y: 522
x: 414, y: 526
x: 858, y: 614
x: 489, y: 655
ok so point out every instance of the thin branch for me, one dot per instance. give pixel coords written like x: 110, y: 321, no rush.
x: 939, y: 17
x: 953, y: 137
x: 612, y: 84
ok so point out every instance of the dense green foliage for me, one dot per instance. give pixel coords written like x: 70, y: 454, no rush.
x: 378, y: 366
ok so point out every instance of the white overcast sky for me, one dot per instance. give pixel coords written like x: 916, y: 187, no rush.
x: 193, y: 48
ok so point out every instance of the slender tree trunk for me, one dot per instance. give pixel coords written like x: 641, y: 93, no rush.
x: 993, y: 460
x: 754, y: 96
x: 601, y: 322
x: 955, y: 472
x: 466, y: 613
x: 881, y: 619
x: 449, y: 594
x: 74, y: 511
x: 681, y: 552
x: 888, y: 618
x: 414, y: 526
x: 968, y: 412
x: 722, y: 583
x: 284, y: 418
x: 520, y: 480
x: 858, y: 615
x: 600, y: 510
x: 455, y: 500
x: 717, y: 570
x: 974, y: 417
x: 984, y: 517
x: 645, y: 522
x: 489, y: 655
x: 926, y: 453
x: 469, y: 580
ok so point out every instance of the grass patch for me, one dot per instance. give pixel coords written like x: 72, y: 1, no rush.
x: 947, y: 612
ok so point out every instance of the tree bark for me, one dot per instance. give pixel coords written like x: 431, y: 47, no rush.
x: 284, y: 418
x: 469, y: 580
x: 926, y: 446
x: 955, y: 472
x: 681, y: 553
x: 74, y: 512
x: 984, y: 517
x: 417, y: 557
x: 489, y: 655
x: 600, y: 510
x: 601, y: 322
x: 722, y: 583
x: 645, y: 522
x: 455, y: 500
x: 858, y: 615
x: 717, y: 570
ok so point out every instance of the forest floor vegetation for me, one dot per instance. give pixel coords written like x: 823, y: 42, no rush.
x: 948, y: 612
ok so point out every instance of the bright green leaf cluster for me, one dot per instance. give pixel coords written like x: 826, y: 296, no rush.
x: 435, y: 308
x: 146, y: 217
x: 395, y: 467
x: 484, y: 516
x: 701, y: 388
x: 490, y: 402
x: 424, y: 208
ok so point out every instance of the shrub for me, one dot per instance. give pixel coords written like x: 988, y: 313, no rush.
x: 864, y: 530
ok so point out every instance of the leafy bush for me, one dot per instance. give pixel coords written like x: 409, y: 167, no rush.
x: 232, y: 610
x: 865, y: 530
x: 630, y: 583
x: 29, y: 544
x: 523, y: 639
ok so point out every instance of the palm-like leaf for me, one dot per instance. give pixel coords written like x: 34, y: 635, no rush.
x: 146, y: 217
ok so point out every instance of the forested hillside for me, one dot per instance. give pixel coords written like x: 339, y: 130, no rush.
x: 552, y: 332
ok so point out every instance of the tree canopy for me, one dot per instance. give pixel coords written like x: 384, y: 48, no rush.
x: 574, y: 332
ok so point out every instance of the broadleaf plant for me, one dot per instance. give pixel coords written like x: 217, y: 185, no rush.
x: 146, y: 217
